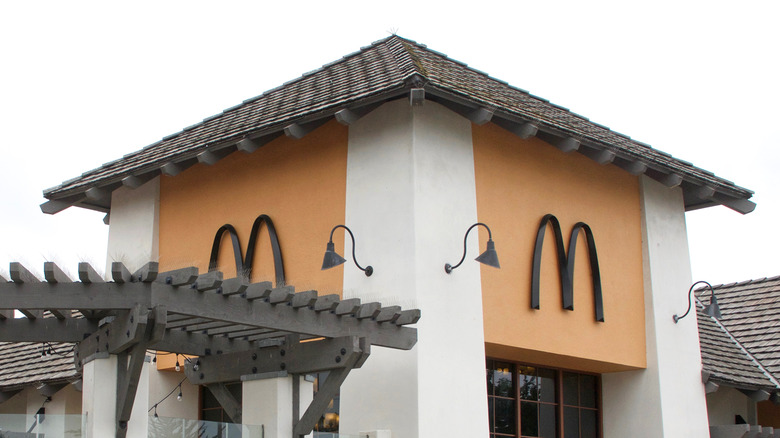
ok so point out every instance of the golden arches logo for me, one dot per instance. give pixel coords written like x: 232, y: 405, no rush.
x: 566, y: 264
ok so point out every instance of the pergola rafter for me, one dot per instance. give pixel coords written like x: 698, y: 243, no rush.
x: 239, y: 330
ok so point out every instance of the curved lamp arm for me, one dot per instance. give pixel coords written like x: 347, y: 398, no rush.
x: 711, y: 310
x: 330, y: 249
x: 489, y: 257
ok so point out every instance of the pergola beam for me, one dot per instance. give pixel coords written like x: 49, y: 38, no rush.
x: 327, y: 390
x: 46, y: 330
x: 149, y: 328
x: 229, y: 403
x: 295, y: 358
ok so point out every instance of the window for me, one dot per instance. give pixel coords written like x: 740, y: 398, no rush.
x: 527, y: 401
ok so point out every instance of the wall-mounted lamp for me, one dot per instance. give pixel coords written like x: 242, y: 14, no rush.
x: 332, y: 259
x: 712, y: 309
x: 489, y: 257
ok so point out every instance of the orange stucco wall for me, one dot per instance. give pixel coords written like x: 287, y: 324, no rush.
x: 300, y: 184
x: 519, y: 181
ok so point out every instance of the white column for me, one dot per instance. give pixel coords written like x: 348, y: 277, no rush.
x: 269, y: 403
x: 667, y: 398
x: 410, y: 198
x: 133, y: 240
x: 98, y: 402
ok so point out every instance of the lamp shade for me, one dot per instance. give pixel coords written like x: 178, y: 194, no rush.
x: 490, y: 256
x: 713, y: 309
x: 331, y: 258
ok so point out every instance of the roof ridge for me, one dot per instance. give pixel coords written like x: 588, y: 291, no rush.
x: 745, y: 282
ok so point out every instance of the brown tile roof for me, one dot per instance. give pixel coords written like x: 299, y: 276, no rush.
x: 726, y: 361
x: 21, y: 364
x: 750, y: 312
x: 385, y: 70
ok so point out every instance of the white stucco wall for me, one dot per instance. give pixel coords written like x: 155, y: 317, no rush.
x: 726, y: 403
x: 667, y: 399
x: 160, y: 383
x: 134, y: 226
x: 410, y: 198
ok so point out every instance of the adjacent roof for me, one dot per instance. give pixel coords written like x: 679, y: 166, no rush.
x: 742, y: 349
x: 24, y: 363
x: 389, y: 69
x: 725, y: 360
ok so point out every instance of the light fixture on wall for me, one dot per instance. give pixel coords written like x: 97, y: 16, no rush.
x: 712, y: 309
x: 489, y: 257
x: 332, y: 259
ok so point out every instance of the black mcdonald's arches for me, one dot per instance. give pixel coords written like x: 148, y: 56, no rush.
x: 244, y: 263
x: 566, y: 264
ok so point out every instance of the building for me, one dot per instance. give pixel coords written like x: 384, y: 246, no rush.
x: 410, y: 149
x: 741, y: 358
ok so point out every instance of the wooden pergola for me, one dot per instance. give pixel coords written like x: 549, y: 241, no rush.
x: 238, y: 329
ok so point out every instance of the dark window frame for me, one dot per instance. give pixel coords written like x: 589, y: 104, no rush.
x: 561, y: 404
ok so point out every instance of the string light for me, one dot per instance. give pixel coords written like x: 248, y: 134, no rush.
x: 178, y: 367
x: 178, y: 397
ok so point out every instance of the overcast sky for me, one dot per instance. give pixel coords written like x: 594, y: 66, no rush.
x: 83, y: 83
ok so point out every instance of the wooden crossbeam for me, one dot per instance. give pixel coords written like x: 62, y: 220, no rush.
x: 88, y: 274
x: 229, y: 403
x: 148, y: 329
x: 5, y: 314
x: 296, y: 358
x: 66, y: 296
x: 46, y: 329
x: 319, y: 321
x: 115, y: 337
x: 146, y: 273
x: 327, y: 390
x: 20, y: 275
x: 261, y: 308
x: 198, y: 344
